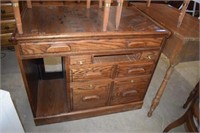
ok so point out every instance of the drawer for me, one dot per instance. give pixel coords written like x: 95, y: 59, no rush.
x: 7, y: 26
x: 90, y: 95
x: 128, y: 57
x: 42, y: 48
x: 80, y: 59
x: 114, y: 44
x: 133, y: 69
x: 91, y: 72
x: 6, y: 11
x: 6, y: 39
x: 129, y: 90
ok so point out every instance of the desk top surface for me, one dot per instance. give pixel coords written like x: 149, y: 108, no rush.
x: 168, y: 17
x: 48, y: 21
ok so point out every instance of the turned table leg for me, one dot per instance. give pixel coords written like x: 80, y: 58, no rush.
x: 160, y: 91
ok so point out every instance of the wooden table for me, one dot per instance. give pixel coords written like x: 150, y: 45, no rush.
x: 182, y: 46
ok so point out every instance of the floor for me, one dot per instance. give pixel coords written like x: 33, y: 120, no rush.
x: 182, y: 81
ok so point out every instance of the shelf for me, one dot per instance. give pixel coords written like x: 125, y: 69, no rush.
x: 51, y: 98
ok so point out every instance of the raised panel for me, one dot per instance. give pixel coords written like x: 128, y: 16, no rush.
x: 91, y: 72
x: 34, y: 48
x: 134, y: 69
x: 129, y: 90
x: 90, y: 95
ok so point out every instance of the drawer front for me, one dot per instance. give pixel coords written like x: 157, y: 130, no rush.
x: 5, y: 39
x: 89, y: 95
x: 129, y: 90
x: 131, y: 69
x: 80, y: 60
x: 7, y: 26
x: 6, y: 11
x: 89, y: 45
x: 90, y: 72
x: 114, y: 44
x: 33, y: 48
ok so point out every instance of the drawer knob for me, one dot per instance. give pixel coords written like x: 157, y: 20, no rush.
x: 149, y: 57
x: 132, y: 81
x: 91, y: 86
x: 81, y: 62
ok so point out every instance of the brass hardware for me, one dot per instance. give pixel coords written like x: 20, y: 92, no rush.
x: 91, y: 86
x: 107, y: 5
x: 81, y: 62
x: 149, y: 57
x: 15, y: 4
x: 120, y: 4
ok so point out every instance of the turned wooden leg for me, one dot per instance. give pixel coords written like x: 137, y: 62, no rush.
x: 106, y: 14
x: 17, y: 15
x: 176, y: 123
x: 183, y: 10
x: 160, y: 91
x: 148, y: 3
x: 100, y: 4
x: 88, y: 3
x: 29, y: 5
x: 118, y: 13
x: 192, y: 95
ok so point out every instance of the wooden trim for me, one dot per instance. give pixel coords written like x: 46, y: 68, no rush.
x: 88, y: 113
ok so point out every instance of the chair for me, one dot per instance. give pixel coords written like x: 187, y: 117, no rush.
x: 191, y: 116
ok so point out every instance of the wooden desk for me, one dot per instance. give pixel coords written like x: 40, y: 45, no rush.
x: 102, y: 73
x: 182, y: 46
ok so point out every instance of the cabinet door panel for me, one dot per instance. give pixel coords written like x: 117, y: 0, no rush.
x: 89, y: 95
x: 91, y: 72
x: 129, y: 90
x: 133, y: 69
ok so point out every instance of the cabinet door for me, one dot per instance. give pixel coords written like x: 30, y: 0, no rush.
x: 90, y: 95
x: 129, y: 90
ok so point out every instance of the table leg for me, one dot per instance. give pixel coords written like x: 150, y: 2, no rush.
x: 160, y: 91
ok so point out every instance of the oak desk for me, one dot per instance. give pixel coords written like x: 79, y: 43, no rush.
x: 102, y: 73
x: 182, y: 46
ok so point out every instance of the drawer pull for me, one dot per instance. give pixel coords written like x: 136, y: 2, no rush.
x: 93, y: 74
x: 89, y: 98
x: 136, y: 69
x: 129, y: 93
x: 132, y: 81
x: 58, y: 48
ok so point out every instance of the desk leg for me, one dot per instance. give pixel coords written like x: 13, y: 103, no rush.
x: 160, y: 91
